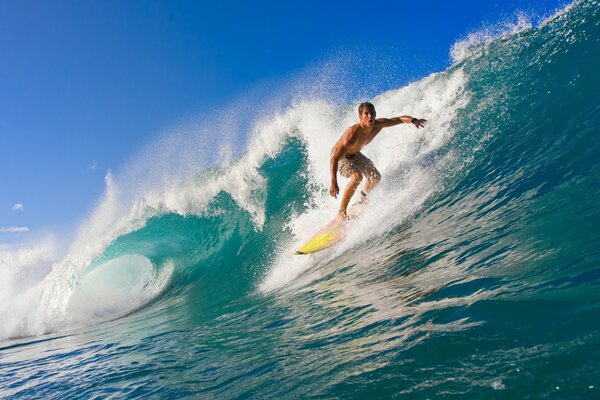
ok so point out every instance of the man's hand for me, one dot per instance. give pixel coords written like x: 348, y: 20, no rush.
x: 334, y: 189
x: 419, y: 123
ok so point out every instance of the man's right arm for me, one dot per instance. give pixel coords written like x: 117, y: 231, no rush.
x: 336, y: 154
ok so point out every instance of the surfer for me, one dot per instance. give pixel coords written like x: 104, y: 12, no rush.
x: 347, y: 158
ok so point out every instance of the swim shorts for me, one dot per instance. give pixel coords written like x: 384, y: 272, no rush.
x: 356, y: 162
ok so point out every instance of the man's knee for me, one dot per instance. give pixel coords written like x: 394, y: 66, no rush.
x: 374, y: 177
x: 356, y: 178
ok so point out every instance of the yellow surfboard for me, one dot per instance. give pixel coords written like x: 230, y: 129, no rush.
x: 331, y: 233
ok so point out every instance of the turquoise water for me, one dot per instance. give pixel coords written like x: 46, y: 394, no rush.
x: 476, y: 274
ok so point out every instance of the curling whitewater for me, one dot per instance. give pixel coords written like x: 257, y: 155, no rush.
x: 475, y: 275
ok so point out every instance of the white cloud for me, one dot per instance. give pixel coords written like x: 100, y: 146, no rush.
x: 18, y: 207
x: 92, y: 167
x: 14, y: 229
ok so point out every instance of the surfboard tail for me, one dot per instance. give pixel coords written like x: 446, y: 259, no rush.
x: 321, y: 240
x: 331, y: 233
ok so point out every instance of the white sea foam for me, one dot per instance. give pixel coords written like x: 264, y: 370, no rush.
x: 22, y: 270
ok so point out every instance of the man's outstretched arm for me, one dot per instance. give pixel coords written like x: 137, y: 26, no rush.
x: 405, y: 119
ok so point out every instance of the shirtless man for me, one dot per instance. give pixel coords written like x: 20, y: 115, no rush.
x: 352, y: 164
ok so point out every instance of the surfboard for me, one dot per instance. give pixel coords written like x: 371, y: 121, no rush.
x: 331, y: 233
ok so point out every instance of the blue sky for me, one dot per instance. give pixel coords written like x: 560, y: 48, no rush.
x: 85, y: 84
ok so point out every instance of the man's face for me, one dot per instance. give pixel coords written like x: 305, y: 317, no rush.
x: 368, y: 116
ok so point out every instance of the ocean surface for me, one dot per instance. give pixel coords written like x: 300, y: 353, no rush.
x: 475, y: 272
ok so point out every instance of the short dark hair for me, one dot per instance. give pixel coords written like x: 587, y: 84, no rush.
x: 364, y: 105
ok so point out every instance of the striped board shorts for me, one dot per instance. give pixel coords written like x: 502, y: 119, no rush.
x: 356, y: 162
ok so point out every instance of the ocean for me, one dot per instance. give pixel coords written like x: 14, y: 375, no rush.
x: 474, y: 272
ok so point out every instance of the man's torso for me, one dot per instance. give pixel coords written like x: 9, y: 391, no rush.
x: 357, y: 137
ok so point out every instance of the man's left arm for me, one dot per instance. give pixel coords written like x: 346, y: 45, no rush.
x: 405, y: 119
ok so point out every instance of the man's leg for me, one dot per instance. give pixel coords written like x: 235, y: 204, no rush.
x: 355, y: 180
x: 373, y: 176
x: 373, y: 179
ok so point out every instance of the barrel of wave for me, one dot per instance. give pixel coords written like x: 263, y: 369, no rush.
x: 116, y: 288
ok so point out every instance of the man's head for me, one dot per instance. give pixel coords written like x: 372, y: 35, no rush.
x: 367, y: 113
x: 366, y: 105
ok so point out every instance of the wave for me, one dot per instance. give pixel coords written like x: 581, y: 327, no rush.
x: 486, y: 191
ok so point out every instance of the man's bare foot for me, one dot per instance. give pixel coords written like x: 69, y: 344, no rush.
x: 343, y: 215
x: 363, y: 198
